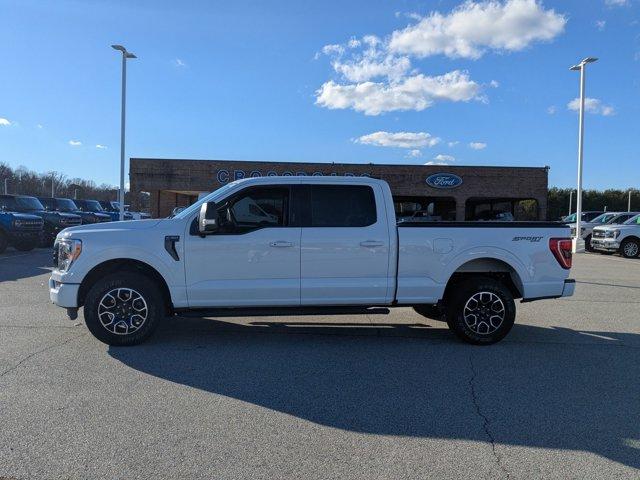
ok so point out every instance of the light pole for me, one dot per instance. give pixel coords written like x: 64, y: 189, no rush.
x: 580, y: 67
x: 125, y: 56
x: 629, y: 202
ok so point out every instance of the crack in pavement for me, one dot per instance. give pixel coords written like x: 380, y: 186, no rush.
x: 38, y: 352
x: 485, y: 419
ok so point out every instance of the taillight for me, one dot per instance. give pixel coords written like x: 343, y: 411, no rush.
x: 561, y: 249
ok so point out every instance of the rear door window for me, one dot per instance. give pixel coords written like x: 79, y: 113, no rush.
x: 342, y: 206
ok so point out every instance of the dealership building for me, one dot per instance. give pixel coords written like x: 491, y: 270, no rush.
x: 445, y: 192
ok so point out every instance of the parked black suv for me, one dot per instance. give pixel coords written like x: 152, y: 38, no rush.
x: 53, y: 221
x: 70, y: 206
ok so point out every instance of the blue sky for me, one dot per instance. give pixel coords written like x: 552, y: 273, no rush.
x: 476, y: 83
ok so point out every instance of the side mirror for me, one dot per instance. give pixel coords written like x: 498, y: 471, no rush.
x: 208, y: 218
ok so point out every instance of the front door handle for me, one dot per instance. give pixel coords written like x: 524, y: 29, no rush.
x: 281, y: 244
x: 371, y: 243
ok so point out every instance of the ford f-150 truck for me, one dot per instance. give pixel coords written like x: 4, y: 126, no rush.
x: 23, y: 232
x: 314, y: 242
x: 54, y: 222
x: 623, y: 238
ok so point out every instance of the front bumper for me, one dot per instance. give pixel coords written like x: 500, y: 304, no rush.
x: 605, y: 244
x: 64, y: 294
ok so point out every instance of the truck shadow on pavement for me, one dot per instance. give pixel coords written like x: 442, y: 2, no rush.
x: 16, y: 265
x: 552, y: 388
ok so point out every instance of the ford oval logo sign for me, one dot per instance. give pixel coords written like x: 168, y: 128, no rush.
x: 444, y: 180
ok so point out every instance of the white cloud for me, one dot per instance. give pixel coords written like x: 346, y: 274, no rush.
x: 179, y: 63
x: 477, y: 145
x: 333, y: 49
x: 441, y: 159
x: 101, y: 147
x: 600, y: 24
x: 370, y: 67
x: 4, y: 122
x: 40, y: 126
x: 475, y: 27
x: 415, y: 153
x: 616, y: 3
x: 453, y: 144
x: 399, y: 139
x: 592, y: 105
x: 552, y: 109
x: 411, y: 93
x: 75, y: 143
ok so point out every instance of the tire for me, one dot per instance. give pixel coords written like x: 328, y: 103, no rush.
x: 4, y: 242
x: 587, y: 244
x: 25, y: 246
x: 471, y: 308
x: 432, y: 312
x: 630, y: 248
x: 101, y: 306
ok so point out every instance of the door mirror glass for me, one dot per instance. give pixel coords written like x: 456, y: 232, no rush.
x: 208, y: 218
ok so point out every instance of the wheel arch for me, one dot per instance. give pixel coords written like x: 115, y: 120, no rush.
x: 487, y: 267
x: 124, y: 264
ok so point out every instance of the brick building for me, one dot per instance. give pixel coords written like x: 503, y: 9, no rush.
x: 447, y: 192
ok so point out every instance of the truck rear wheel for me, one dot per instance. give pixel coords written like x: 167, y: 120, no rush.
x: 630, y: 248
x: 123, y: 309
x: 481, y: 311
x: 4, y: 242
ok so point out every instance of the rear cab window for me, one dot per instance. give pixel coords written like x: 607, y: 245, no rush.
x: 331, y: 206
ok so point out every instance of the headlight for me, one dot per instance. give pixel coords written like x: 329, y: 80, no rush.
x: 68, y: 251
x: 612, y: 233
x: 616, y: 233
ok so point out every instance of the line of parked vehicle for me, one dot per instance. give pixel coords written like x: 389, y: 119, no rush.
x: 608, y: 232
x: 27, y: 222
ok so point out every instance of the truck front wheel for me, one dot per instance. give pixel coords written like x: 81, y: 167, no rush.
x: 26, y: 246
x: 123, y: 309
x: 481, y: 311
x: 630, y: 248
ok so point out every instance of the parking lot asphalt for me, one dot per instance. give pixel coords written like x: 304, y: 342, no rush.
x: 378, y: 396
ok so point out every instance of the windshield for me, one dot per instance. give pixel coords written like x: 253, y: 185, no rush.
x: 92, y: 206
x: 28, y: 203
x: 66, y: 205
x: 633, y: 220
x: 604, y: 218
x: 209, y: 198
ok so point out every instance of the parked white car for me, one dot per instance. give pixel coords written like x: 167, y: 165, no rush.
x: 314, y: 242
x: 624, y: 238
x: 607, y: 218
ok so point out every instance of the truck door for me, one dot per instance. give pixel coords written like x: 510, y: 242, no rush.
x: 345, y: 246
x: 254, y: 260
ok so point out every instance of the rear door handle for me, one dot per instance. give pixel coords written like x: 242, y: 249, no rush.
x: 281, y: 243
x: 371, y: 243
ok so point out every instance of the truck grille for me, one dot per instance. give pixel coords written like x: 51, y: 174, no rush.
x: 31, y: 225
x: 597, y: 234
x: 55, y: 255
x: 71, y: 222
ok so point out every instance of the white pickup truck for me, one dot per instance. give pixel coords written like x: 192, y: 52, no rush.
x: 319, y: 241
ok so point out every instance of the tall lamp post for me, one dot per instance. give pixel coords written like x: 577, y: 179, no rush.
x: 125, y: 55
x: 581, y: 68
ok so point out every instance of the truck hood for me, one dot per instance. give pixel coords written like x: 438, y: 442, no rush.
x: 125, y: 226
x: 24, y: 216
x: 615, y: 227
